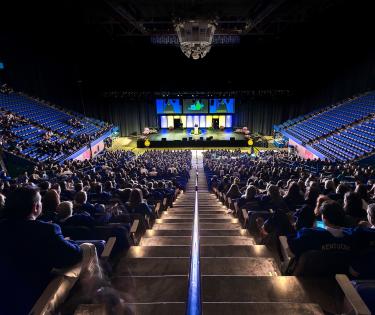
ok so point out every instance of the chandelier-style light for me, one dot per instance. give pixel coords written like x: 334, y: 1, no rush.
x: 195, y: 37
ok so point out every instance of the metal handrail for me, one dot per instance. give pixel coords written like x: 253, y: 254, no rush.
x: 194, y: 306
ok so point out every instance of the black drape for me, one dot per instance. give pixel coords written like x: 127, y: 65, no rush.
x: 259, y: 115
x: 129, y: 115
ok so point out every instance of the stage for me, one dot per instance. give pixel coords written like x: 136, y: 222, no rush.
x: 166, y: 138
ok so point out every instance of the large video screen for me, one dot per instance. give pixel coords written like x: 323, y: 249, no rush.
x: 222, y: 106
x: 195, y: 106
x: 168, y: 106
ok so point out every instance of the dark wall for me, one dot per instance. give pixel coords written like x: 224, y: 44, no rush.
x: 348, y: 81
x: 325, y: 59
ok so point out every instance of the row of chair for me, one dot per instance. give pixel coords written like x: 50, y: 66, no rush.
x: 358, y: 295
x: 324, y: 122
x: 107, y: 242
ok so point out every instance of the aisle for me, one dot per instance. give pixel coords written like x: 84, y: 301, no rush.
x: 154, y: 275
x: 239, y: 277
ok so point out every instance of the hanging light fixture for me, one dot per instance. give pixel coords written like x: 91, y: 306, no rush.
x: 195, y: 37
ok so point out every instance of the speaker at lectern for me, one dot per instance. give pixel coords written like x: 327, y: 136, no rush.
x: 196, y: 130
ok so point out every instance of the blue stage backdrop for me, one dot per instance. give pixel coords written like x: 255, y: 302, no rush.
x: 221, y: 106
x: 195, y: 106
x: 168, y: 106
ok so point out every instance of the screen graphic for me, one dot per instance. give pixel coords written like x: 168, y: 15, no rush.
x: 222, y: 106
x: 195, y: 106
x: 168, y: 106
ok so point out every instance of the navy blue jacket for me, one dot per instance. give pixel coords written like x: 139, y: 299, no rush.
x: 80, y: 219
x: 29, y: 251
x: 320, y: 239
x: 364, y: 259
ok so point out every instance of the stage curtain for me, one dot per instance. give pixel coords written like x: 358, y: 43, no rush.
x: 129, y: 116
x: 259, y: 115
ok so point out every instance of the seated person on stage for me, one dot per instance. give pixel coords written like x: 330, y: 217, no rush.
x: 334, y: 237
x: 30, y: 249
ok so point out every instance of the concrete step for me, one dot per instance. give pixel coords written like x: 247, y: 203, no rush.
x: 245, y: 266
x: 171, y: 215
x: 219, y: 226
x: 202, y: 208
x: 184, y: 208
x: 152, y: 233
x: 223, y: 219
x: 173, y: 226
x: 253, y: 289
x: 235, y: 251
x: 226, y: 240
x: 166, y: 241
x: 203, y: 203
x: 211, y: 212
x: 261, y: 308
x: 158, y: 251
x: 237, y: 232
x: 152, y: 289
x: 180, y: 220
x: 153, y: 267
x: 201, y: 220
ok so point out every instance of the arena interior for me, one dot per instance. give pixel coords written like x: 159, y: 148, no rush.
x: 187, y: 157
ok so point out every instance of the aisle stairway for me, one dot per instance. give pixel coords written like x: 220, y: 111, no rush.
x: 154, y: 275
x: 237, y: 276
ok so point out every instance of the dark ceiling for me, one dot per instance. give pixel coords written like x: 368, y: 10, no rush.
x: 284, y: 44
x: 252, y: 17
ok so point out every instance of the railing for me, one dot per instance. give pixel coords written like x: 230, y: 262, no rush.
x: 194, y: 306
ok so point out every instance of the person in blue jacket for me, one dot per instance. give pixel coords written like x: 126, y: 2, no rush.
x: 362, y: 265
x: 333, y: 237
x: 136, y: 204
x: 30, y: 249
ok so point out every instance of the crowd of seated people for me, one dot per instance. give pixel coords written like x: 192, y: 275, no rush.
x: 7, y: 121
x: 26, y: 130
x: 74, y: 122
x: 83, y: 200
x: 17, y: 134
x: 331, y: 210
x: 30, y: 250
x: 6, y: 89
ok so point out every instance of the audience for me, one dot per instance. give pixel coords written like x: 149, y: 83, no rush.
x: 38, y: 142
x: 334, y: 237
x: 34, y: 207
x: 30, y: 250
x: 119, y: 186
x: 318, y: 205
